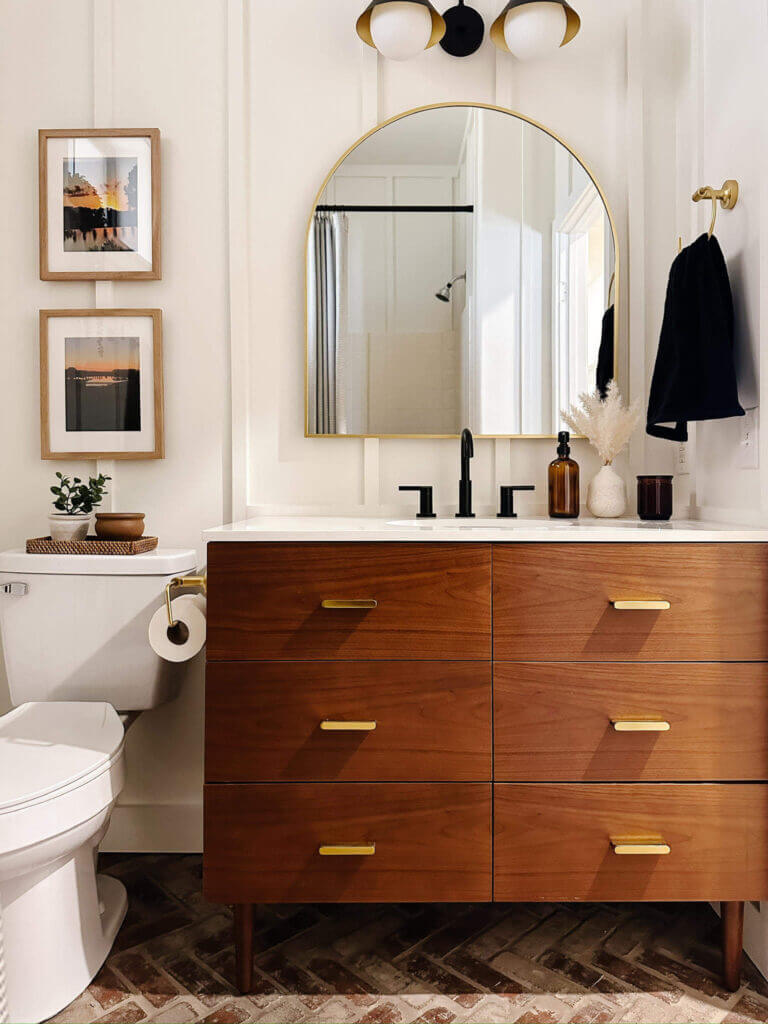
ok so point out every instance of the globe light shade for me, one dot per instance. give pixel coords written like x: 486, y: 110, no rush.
x: 532, y: 29
x: 401, y: 29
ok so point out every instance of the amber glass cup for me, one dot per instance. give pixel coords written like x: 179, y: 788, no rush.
x: 654, y: 497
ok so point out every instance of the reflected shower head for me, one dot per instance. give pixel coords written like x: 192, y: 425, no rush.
x: 444, y: 295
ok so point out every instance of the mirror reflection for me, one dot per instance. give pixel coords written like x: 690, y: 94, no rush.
x: 460, y: 272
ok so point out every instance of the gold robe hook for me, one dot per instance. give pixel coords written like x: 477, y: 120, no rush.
x: 727, y: 196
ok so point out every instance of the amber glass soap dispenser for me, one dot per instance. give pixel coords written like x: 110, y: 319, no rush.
x: 564, y: 482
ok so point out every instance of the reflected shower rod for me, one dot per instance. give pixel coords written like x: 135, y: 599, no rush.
x: 395, y: 209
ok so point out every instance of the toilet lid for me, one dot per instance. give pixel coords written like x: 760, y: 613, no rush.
x: 50, y: 746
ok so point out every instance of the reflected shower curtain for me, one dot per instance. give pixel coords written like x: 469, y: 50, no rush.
x: 327, y: 322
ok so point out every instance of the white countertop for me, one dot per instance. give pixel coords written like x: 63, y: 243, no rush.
x: 528, y: 531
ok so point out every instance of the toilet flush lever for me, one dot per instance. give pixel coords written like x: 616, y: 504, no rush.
x: 15, y: 589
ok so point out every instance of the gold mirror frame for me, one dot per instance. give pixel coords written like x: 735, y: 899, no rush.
x: 318, y: 197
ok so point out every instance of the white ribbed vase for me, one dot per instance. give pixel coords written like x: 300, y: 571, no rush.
x: 607, y: 495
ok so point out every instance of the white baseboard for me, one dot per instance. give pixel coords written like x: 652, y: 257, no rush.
x: 155, y: 828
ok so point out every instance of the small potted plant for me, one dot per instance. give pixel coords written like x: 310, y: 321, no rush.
x: 74, y: 503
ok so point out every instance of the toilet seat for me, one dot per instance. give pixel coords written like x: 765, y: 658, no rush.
x: 60, y: 765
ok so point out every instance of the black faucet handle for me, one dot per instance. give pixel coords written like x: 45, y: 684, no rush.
x: 425, y: 501
x: 508, y: 501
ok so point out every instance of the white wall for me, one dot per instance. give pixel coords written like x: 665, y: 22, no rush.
x: 331, y: 89
x: 127, y: 63
x: 701, y: 79
x: 726, y: 100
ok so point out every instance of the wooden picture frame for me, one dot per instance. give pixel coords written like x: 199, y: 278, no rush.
x: 143, y: 254
x: 68, y: 413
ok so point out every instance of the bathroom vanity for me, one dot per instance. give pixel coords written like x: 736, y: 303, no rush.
x: 423, y: 712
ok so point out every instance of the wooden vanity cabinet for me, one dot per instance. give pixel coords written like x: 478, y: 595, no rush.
x: 390, y: 722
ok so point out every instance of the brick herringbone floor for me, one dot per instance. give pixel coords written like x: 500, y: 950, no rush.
x: 525, y: 963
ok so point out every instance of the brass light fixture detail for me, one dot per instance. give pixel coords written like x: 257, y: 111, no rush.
x: 572, y: 22
x: 364, y: 22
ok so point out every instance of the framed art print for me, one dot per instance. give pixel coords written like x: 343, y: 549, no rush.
x: 101, y: 383
x: 99, y: 204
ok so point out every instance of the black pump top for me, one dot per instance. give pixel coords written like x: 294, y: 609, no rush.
x: 563, y: 443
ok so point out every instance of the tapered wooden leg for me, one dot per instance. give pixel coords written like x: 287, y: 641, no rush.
x: 733, y: 943
x: 244, y: 946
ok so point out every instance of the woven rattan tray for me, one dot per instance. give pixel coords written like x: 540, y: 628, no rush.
x: 90, y: 546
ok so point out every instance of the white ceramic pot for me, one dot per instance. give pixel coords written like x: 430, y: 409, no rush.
x: 64, y: 527
x: 607, y: 495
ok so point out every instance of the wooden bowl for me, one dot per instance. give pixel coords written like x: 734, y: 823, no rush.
x: 119, y: 525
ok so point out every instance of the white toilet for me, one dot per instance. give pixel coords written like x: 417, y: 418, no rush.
x: 74, y: 636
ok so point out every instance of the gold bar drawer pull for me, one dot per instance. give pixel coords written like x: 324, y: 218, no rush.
x: 641, y: 606
x: 640, y: 725
x: 348, y: 851
x: 355, y: 606
x: 329, y: 726
x: 652, y: 846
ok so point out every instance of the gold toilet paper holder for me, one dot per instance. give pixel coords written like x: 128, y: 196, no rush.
x: 183, y: 583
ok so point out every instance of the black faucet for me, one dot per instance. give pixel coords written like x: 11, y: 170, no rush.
x: 465, y: 485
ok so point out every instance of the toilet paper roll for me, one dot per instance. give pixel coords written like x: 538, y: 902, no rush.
x: 187, y: 639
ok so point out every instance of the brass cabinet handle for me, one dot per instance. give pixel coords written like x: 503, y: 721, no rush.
x: 360, y: 605
x: 641, y: 606
x: 347, y: 851
x: 650, y: 846
x: 329, y: 726
x: 640, y: 725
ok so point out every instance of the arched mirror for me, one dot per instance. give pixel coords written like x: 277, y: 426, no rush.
x: 462, y: 270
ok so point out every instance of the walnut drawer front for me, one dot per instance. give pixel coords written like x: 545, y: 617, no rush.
x: 382, y: 843
x: 631, y: 723
x: 348, y: 721
x: 554, y: 842
x: 432, y: 601
x: 554, y: 601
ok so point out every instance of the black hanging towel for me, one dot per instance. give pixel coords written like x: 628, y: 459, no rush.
x: 606, y: 371
x: 695, y: 375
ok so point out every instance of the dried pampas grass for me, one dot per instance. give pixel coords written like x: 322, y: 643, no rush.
x: 607, y: 423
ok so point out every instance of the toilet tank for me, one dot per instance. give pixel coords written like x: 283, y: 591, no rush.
x: 74, y: 627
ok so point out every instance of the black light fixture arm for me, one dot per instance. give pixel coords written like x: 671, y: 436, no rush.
x: 464, y: 30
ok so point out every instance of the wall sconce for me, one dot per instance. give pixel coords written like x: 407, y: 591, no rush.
x: 529, y: 29
x: 400, y: 29
x: 464, y: 32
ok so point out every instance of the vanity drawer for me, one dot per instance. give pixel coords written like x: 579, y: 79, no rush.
x: 554, y: 722
x: 432, y: 843
x: 553, y: 842
x: 555, y: 601
x: 383, y: 721
x: 432, y: 601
